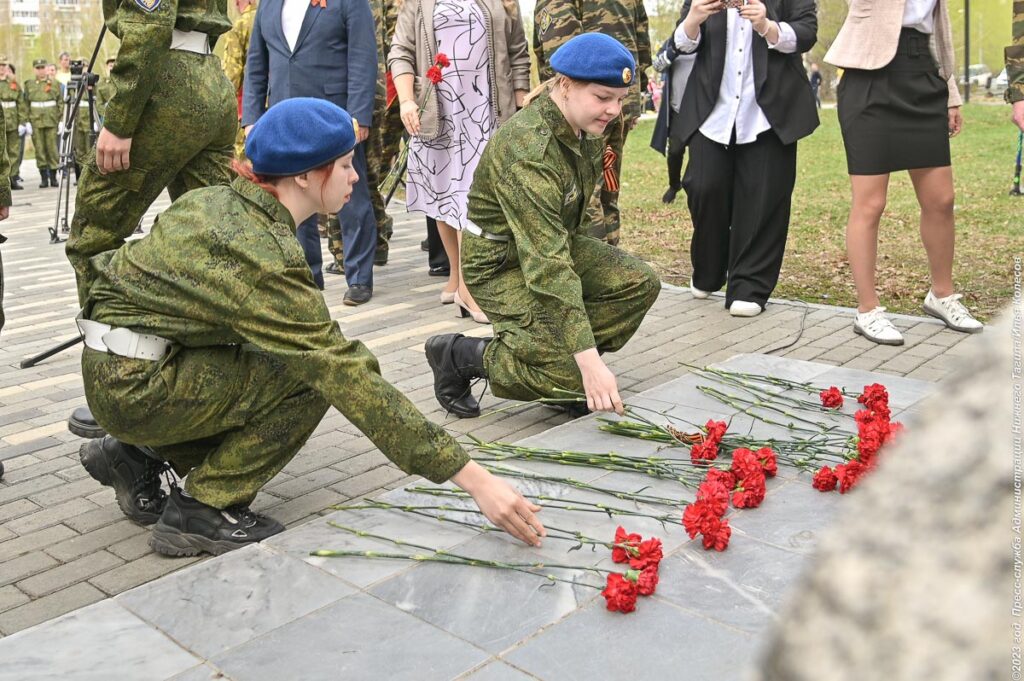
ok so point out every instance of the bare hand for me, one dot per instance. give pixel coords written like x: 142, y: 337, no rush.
x: 501, y: 503
x: 1018, y: 114
x: 112, y: 152
x: 701, y: 10
x: 5, y: 212
x: 247, y: 129
x: 956, y: 121
x: 757, y: 14
x: 363, y: 134
x: 599, y: 383
x: 410, y: 112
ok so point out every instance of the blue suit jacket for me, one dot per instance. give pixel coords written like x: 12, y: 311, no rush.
x: 335, y: 58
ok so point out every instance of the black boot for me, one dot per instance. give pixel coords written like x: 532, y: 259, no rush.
x: 44, y: 178
x: 189, y: 527
x: 16, y: 183
x: 53, y: 179
x: 455, y: 361
x: 134, y: 475
x: 82, y: 424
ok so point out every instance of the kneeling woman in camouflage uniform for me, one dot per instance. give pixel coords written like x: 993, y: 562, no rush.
x: 209, y: 346
x: 558, y: 298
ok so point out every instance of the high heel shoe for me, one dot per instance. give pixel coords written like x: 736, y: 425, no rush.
x: 448, y: 297
x: 478, y: 316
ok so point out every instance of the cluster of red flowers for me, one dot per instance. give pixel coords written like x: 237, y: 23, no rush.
x: 434, y: 72
x: 643, y: 557
x: 707, y: 448
x: 874, y: 429
x: 705, y: 516
x: 831, y: 398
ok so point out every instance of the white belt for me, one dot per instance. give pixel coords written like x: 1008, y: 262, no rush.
x: 8, y: 104
x: 43, y: 105
x: 190, y: 41
x: 123, y: 342
x: 472, y: 228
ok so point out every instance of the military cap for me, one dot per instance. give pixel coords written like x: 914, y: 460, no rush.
x: 595, y: 58
x: 3, y: 58
x: 39, y: 63
x: 298, y: 135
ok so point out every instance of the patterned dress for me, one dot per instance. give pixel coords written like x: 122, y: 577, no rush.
x: 441, y: 170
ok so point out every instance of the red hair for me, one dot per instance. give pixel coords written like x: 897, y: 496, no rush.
x: 267, y: 183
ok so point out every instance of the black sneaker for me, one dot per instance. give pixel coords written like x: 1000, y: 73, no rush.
x: 189, y: 527
x: 134, y: 476
x: 357, y: 294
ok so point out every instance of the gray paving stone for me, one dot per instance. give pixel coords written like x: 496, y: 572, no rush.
x: 792, y: 516
x: 79, y: 545
x: 201, y: 673
x: 16, y: 509
x: 66, y: 511
x: 11, y: 596
x: 36, y: 540
x: 496, y: 671
x: 24, y: 566
x: 136, y: 572
x: 31, y: 486
x: 70, y: 573
x: 97, y: 643
x: 223, y: 603
x: 46, y: 608
x: 355, y: 638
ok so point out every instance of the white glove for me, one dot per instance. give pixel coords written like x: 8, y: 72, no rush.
x: 28, y: 128
x: 21, y: 130
x: 60, y: 128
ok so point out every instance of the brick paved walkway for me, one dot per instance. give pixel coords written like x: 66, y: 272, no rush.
x: 64, y: 543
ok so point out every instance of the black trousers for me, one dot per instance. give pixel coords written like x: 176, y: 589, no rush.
x: 739, y: 198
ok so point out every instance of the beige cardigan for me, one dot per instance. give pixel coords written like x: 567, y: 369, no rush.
x: 871, y: 32
x: 414, y: 46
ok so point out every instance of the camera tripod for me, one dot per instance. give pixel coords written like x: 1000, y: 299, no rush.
x: 83, y: 83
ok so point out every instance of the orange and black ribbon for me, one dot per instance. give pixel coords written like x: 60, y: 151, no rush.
x: 611, y: 178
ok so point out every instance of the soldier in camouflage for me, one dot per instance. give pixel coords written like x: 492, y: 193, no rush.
x: 557, y: 297
x: 557, y: 21
x: 1015, y: 65
x: 381, y: 147
x: 254, y: 359
x: 84, y: 128
x: 104, y: 90
x: 5, y: 200
x: 45, y: 109
x: 12, y: 101
x: 236, y: 47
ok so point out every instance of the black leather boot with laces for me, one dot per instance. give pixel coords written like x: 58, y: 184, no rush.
x: 189, y: 527
x: 134, y: 475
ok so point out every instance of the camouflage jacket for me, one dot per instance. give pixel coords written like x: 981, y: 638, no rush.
x: 223, y: 267
x: 44, y: 103
x: 236, y: 47
x: 533, y: 184
x: 12, y: 100
x: 5, y: 183
x: 555, y: 22
x: 1015, y: 56
x: 104, y: 92
x: 144, y: 28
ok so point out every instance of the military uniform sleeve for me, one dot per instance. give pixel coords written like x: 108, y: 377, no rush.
x: 234, y: 54
x: 1015, y: 56
x: 5, y: 165
x: 530, y: 195
x: 22, y: 106
x: 145, y: 42
x: 556, y: 22
x: 643, y: 44
x: 285, y: 316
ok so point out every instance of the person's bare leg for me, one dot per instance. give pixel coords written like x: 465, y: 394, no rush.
x: 934, y: 188
x: 868, y: 202
x: 464, y: 293
x: 450, y: 241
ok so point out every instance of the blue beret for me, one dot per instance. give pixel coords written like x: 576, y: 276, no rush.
x: 596, y: 58
x: 298, y: 135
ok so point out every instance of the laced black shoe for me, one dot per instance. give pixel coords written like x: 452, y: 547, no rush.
x: 82, y: 424
x: 134, y: 476
x: 189, y: 527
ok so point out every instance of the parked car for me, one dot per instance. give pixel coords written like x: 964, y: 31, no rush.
x: 998, y: 85
x: 978, y: 75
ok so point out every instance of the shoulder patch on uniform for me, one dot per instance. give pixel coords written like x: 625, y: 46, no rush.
x: 544, y: 21
x: 571, y: 195
x: 148, y: 5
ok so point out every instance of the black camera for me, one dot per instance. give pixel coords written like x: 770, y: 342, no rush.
x: 77, y: 66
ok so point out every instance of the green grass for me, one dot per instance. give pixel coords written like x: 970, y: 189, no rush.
x: 989, y: 222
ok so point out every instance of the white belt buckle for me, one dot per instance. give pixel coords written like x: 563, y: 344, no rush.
x: 190, y: 41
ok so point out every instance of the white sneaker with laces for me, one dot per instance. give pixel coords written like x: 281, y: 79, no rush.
x: 875, y: 326
x: 951, y: 311
x: 744, y: 308
x: 697, y: 293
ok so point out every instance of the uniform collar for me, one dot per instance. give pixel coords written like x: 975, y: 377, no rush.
x: 267, y: 203
x: 560, y: 127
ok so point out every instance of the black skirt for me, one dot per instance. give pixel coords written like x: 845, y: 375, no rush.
x: 896, y: 117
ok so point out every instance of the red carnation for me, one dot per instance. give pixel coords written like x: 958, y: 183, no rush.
x: 649, y: 555
x: 698, y: 518
x: 725, y: 478
x: 715, y: 496
x: 626, y: 545
x: 647, y: 581
x: 715, y: 430
x: 825, y: 480
x: 874, y: 394
x: 703, y: 451
x: 717, y: 536
x: 750, y: 492
x: 442, y: 60
x: 619, y: 593
x: 849, y: 475
x: 831, y: 398
x: 434, y: 75
x: 767, y: 458
x: 894, y: 430
x: 744, y: 463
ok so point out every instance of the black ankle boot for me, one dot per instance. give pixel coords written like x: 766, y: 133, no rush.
x: 53, y: 179
x: 44, y: 178
x: 82, y: 424
x: 189, y: 527
x: 455, y: 361
x: 16, y: 183
x: 134, y: 475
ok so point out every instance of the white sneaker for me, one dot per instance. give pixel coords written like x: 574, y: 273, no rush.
x: 875, y: 326
x: 951, y: 311
x: 697, y: 293
x: 743, y: 308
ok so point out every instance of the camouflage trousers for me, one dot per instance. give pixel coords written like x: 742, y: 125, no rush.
x: 381, y: 149
x: 82, y: 144
x: 44, y: 141
x: 184, y: 141
x: 604, y: 205
x: 527, y: 360
x: 240, y: 144
x: 13, y: 142
x: 228, y: 418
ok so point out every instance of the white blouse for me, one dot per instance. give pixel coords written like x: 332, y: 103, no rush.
x: 920, y: 15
